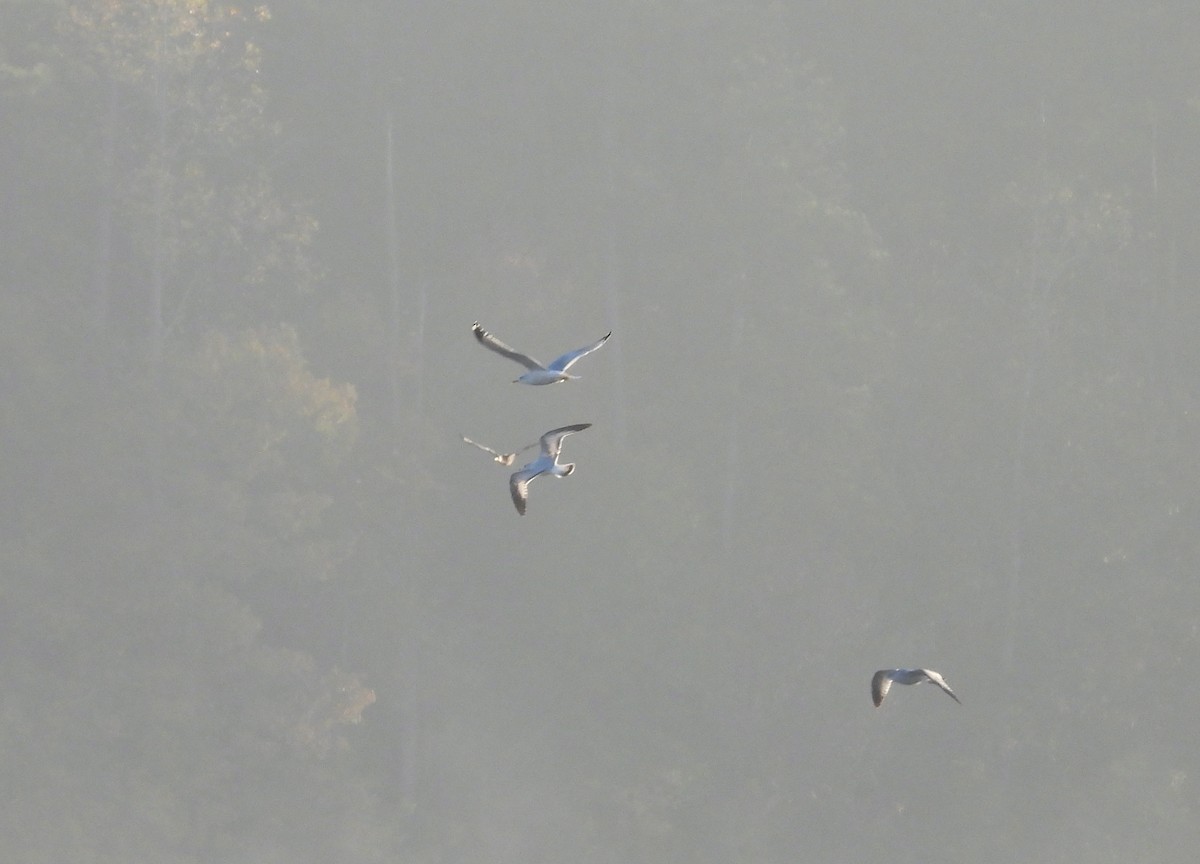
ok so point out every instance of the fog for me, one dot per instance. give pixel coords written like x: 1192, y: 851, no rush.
x: 904, y: 373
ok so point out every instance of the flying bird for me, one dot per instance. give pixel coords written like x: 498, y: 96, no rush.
x: 537, y: 374
x: 497, y: 456
x: 884, y: 678
x: 546, y: 463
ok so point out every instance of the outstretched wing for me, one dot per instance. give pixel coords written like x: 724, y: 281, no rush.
x: 880, y: 684
x: 487, y: 340
x: 941, y: 682
x: 500, y: 457
x: 518, y: 485
x: 552, y: 440
x: 563, y: 363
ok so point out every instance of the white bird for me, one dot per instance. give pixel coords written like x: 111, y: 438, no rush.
x: 884, y: 678
x: 497, y: 456
x: 537, y: 374
x: 546, y: 463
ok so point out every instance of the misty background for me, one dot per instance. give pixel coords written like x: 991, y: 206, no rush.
x: 905, y: 372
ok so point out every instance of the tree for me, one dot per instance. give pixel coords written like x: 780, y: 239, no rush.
x: 210, y: 241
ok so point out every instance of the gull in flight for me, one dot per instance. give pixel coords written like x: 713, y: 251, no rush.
x: 537, y: 374
x: 884, y: 678
x: 497, y: 456
x: 546, y: 463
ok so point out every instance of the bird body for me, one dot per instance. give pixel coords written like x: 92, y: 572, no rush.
x: 538, y: 377
x: 546, y: 463
x: 884, y: 678
x: 537, y: 374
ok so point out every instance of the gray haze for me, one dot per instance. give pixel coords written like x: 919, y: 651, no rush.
x: 905, y: 373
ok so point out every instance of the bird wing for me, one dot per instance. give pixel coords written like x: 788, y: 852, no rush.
x: 552, y: 440
x: 518, y: 485
x: 941, y: 682
x: 495, y: 453
x: 502, y: 458
x: 563, y: 363
x: 487, y: 340
x: 880, y: 684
